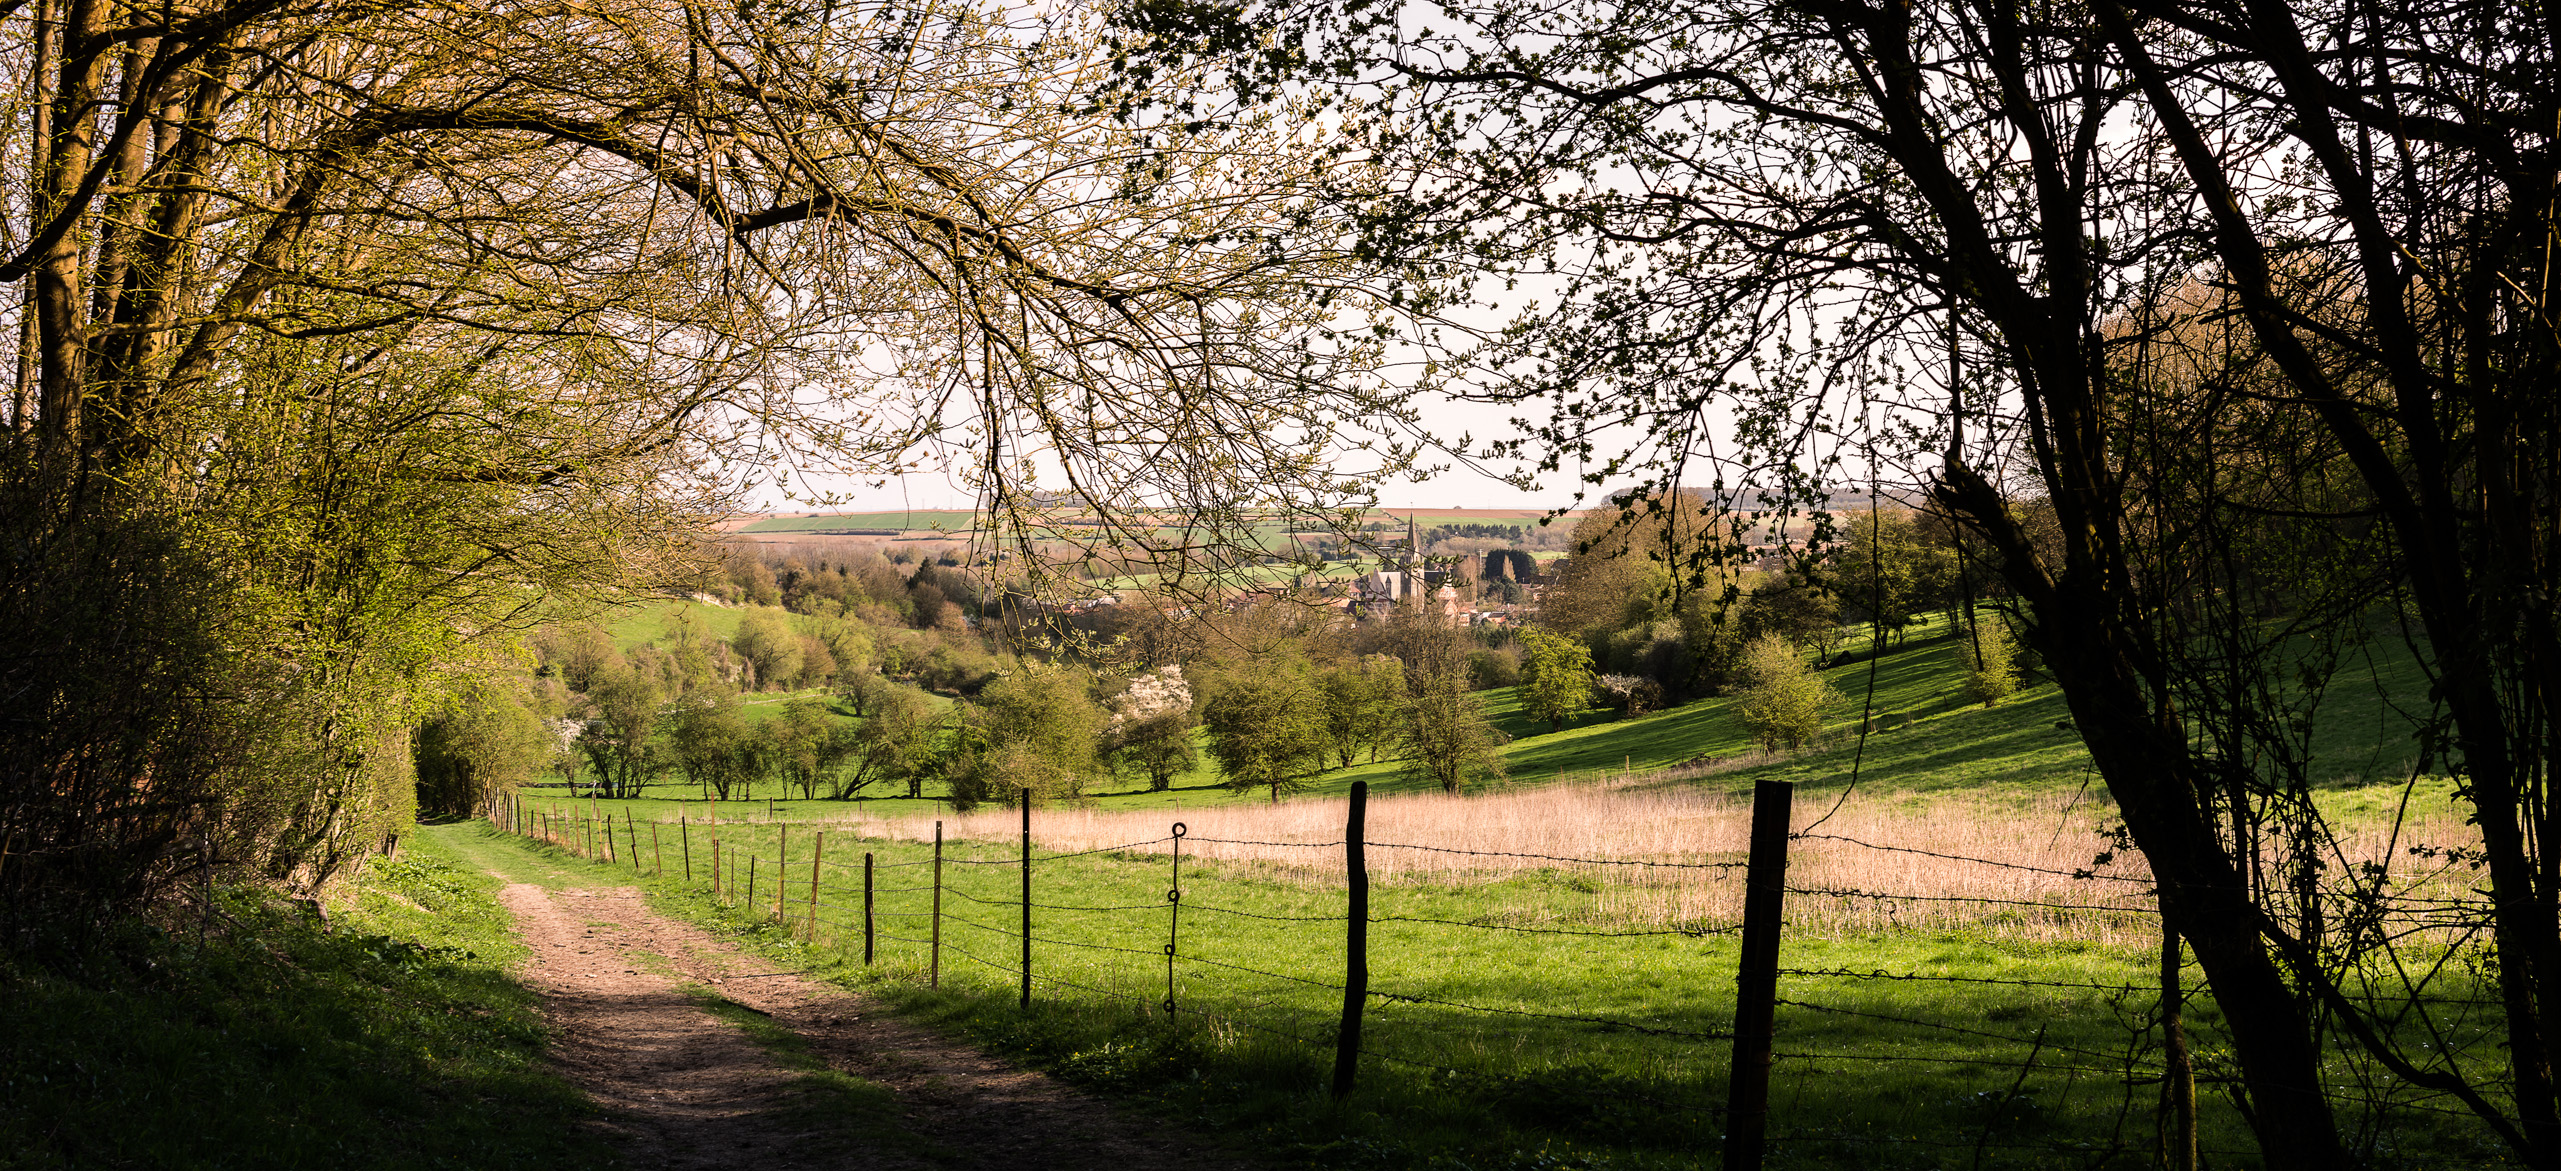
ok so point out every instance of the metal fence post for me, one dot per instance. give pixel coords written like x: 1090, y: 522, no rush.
x: 685, y: 845
x: 782, y: 868
x: 1347, y: 1038
x: 1174, y: 919
x: 867, y: 932
x: 1756, y: 977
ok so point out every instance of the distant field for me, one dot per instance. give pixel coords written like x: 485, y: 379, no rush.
x: 939, y: 520
x: 1939, y: 740
x: 962, y: 520
x: 630, y: 626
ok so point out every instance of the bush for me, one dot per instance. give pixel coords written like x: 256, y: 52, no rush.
x: 1629, y: 695
x: 1782, y: 699
x: 1494, y: 667
x: 1991, y: 666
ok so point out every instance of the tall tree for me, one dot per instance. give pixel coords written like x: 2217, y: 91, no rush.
x: 345, y: 335
x: 1972, y: 245
x: 1446, y: 737
x: 1267, y: 727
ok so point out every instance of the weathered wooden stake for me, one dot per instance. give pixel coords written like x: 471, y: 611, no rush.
x: 1347, y: 1038
x: 934, y: 950
x: 1756, y: 977
x: 2178, y: 1083
x: 817, y: 853
x: 1027, y: 900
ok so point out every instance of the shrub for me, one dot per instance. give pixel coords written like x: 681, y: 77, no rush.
x: 1991, y: 664
x: 1782, y: 699
x: 1493, y: 667
x: 1629, y: 695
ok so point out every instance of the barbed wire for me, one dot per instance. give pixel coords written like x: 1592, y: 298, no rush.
x: 1944, y: 1028
x: 1195, y: 839
x: 1607, y: 1023
x: 1881, y: 974
x: 1878, y: 1058
x: 1886, y: 896
x: 1720, y: 866
x: 1193, y: 959
x: 1690, y: 932
x: 2075, y: 874
x: 1038, y: 858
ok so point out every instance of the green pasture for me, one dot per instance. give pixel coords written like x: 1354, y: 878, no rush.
x: 1491, y: 1047
x: 1926, y: 735
x: 630, y: 626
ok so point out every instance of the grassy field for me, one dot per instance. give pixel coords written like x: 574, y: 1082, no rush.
x: 391, y: 1037
x: 1877, y: 1076
x: 1525, y: 1009
x: 1929, y: 737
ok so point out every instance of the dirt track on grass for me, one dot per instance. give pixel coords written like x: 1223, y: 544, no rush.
x: 682, y: 1089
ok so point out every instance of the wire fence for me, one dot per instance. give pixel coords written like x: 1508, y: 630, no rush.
x: 1963, y: 1046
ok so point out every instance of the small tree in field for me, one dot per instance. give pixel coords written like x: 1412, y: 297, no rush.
x: 1267, y: 729
x: 1556, y: 681
x: 1446, y: 737
x: 1992, y: 671
x: 1364, y: 702
x: 1782, y: 699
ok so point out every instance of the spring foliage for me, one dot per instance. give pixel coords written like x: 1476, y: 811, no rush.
x: 1782, y: 700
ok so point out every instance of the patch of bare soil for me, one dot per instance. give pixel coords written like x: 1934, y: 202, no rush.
x: 685, y: 1090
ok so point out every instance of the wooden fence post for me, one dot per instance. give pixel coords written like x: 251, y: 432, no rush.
x: 1027, y: 900
x: 817, y: 853
x: 1347, y: 1038
x: 1747, y: 1106
x: 934, y: 950
x: 2178, y: 1082
x: 867, y: 938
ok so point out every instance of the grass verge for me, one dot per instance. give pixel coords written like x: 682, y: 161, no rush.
x: 389, y: 1036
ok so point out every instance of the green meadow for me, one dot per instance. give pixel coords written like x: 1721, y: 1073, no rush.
x: 1515, y: 1016
x: 1590, y: 1039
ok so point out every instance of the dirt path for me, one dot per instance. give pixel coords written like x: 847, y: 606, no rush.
x: 685, y: 1089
